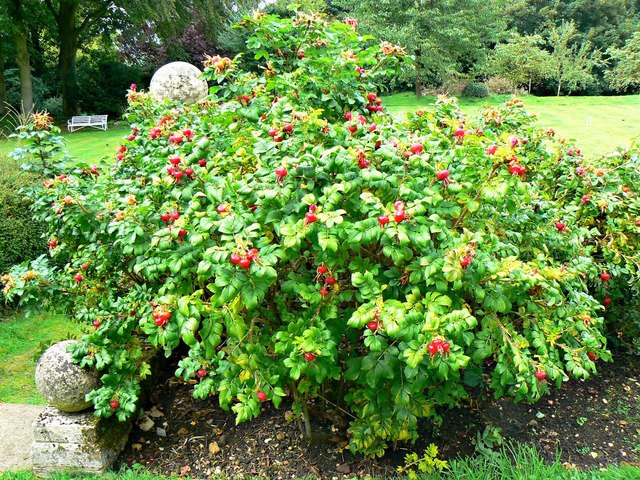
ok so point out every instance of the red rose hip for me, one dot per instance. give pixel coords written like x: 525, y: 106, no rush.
x: 442, y: 175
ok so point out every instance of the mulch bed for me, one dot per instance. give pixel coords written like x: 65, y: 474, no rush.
x: 593, y: 423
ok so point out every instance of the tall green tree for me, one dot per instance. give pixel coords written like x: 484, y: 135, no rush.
x: 571, y: 61
x: 15, y: 14
x: 604, y: 23
x: 626, y: 71
x: 446, y: 37
x: 522, y: 60
x: 75, y: 22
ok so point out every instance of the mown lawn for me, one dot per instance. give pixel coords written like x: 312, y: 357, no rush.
x: 22, y: 339
x: 598, y: 124
x: 88, y: 145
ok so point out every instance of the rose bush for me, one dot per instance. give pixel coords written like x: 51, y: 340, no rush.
x: 302, y: 243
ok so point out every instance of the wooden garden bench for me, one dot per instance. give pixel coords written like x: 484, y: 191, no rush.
x: 81, y: 121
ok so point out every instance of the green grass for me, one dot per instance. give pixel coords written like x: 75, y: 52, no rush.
x: 523, y: 462
x: 88, y: 145
x: 129, y: 474
x: 516, y: 462
x: 615, y: 121
x: 21, y: 341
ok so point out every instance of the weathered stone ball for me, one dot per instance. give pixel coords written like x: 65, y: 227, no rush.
x: 179, y: 82
x: 63, y: 383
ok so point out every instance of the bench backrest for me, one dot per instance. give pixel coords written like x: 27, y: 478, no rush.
x: 88, y: 119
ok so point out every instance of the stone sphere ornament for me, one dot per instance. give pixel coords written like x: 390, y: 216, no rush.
x: 63, y: 383
x: 179, y: 82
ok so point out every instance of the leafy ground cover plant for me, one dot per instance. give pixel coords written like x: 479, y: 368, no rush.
x: 301, y: 242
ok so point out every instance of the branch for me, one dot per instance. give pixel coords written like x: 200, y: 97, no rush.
x: 55, y: 14
x: 97, y: 14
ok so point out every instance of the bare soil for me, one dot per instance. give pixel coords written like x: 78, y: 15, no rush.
x: 592, y: 423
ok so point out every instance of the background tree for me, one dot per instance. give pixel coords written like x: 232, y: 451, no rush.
x: 156, y: 40
x: 15, y: 15
x: 521, y: 60
x: 75, y: 22
x: 447, y: 38
x: 626, y: 72
x: 571, y: 63
x: 604, y: 24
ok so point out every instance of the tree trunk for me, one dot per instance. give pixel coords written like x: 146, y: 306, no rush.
x: 418, y: 79
x: 559, y: 87
x: 24, y: 67
x: 3, y: 86
x: 68, y: 53
x: 529, y: 91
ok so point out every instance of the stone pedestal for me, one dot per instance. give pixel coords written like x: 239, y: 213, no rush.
x: 76, y: 442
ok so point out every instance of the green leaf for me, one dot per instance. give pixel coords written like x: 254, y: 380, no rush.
x: 253, y: 293
x: 327, y: 241
x: 230, y: 225
x: 381, y: 371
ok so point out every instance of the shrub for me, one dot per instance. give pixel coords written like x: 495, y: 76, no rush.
x: 475, y: 90
x: 452, y: 87
x: 53, y: 105
x: 302, y: 243
x: 21, y: 237
x: 499, y: 85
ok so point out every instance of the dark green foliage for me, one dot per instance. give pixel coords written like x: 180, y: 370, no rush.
x: 40, y: 89
x: 475, y: 90
x: 103, y: 85
x: 20, y: 236
x: 53, y: 105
